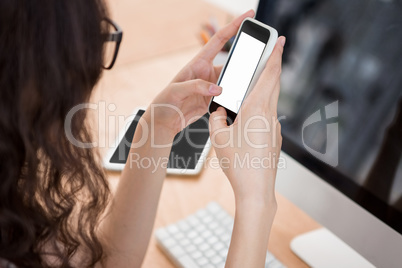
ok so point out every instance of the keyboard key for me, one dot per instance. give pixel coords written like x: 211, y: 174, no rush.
x: 220, y: 265
x: 177, y: 251
x: 212, y: 240
x: 206, y: 234
x: 196, y: 254
x: 179, y: 236
x: 186, y: 261
x: 213, y: 225
x: 226, y: 238
x: 162, y: 234
x: 197, y: 240
x: 221, y: 215
x: 201, y: 214
x: 200, y: 228
x: 170, y: 242
x: 192, y: 235
x: 184, y: 226
x: 193, y: 220
x: 202, y: 261
x: 218, y: 231
x: 219, y: 246
x: 209, y: 253
x: 173, y: 229
x: 228, y: 221
x: 203, y: 247
x: 207, y: 219
x: 190, y: 248
x: 224, y: 253
x: 184, y: 242
x: 213, y: 207
x: 216, y: 259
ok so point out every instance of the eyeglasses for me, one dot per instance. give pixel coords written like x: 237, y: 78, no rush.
x: 112, y: 43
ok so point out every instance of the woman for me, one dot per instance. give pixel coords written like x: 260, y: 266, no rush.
x: 53, y: 195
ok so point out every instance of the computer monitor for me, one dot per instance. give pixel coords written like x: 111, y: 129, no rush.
x: 341, y: 114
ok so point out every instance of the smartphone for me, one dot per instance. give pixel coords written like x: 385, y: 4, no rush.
x: 188, y: 154
x: 250, y: 51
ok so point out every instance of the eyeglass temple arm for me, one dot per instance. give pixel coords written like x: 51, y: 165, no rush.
x: 115, y: 37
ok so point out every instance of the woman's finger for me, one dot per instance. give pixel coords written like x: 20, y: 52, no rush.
x: 217, y: 120
x: 195, y: 87
x: 222, y: 36
x: 267, y: 88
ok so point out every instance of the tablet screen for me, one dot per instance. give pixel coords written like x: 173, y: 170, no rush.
x: 189, y: 144
x: 187, y: 148
x: 120, y: 155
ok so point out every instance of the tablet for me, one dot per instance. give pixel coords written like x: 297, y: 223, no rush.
x: 189, y: 150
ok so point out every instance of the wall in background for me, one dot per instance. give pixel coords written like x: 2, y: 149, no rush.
x: 235, y: 7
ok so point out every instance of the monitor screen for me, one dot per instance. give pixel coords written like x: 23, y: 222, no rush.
x: 341, y: 95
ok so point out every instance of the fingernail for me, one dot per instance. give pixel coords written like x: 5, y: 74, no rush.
x: 283, y: 41
x: 214, y: 89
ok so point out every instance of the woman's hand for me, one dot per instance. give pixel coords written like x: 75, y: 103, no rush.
x: 249, y: 149
x: 187, y: 97
x: 248, y: 152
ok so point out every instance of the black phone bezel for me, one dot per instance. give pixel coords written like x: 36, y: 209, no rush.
x: 260, y: 33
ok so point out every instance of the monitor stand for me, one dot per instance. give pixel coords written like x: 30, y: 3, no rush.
x: 321, y: 248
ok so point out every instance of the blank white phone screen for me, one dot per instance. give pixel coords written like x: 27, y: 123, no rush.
x: 239, y: 71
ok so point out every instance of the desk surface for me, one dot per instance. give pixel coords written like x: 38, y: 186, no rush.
x: 160, y: 37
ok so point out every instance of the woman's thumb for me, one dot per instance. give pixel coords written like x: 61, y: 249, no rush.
x: 217, y: 120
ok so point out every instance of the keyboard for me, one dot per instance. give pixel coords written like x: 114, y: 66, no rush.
x: 202, y: 239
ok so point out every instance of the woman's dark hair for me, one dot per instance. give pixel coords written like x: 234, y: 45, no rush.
x: 52, y: 194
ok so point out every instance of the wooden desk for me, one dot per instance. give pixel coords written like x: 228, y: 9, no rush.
x: 159, y: 38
